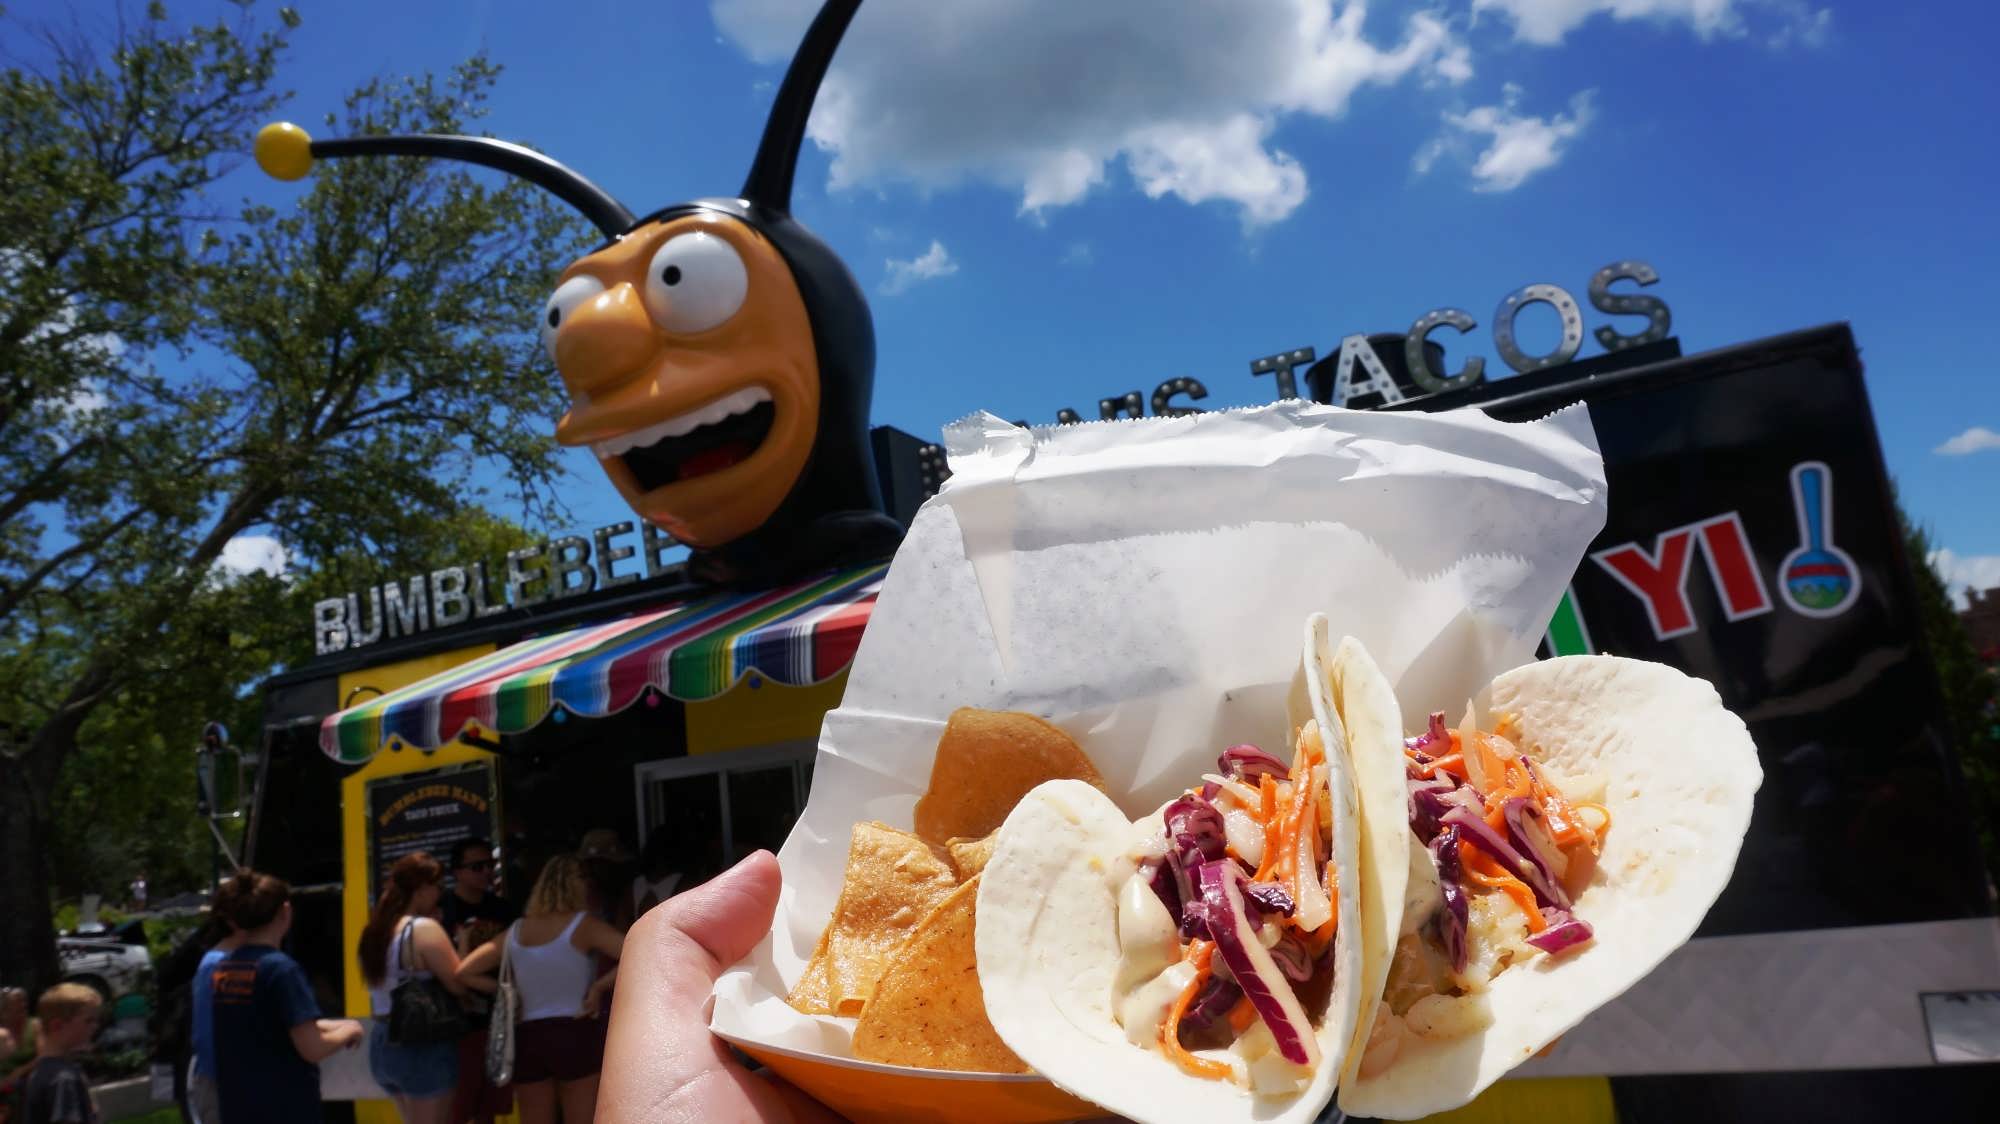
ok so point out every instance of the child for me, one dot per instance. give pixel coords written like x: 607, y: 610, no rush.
x: 55, y: 1091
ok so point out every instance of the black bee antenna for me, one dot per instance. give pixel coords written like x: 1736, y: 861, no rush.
x: 770, y: 179
x: 287, y: 152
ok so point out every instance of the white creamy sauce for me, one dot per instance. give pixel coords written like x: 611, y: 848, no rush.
x: 1142, y: 1010
x: 1424, y: 894
x: 1148, y: 940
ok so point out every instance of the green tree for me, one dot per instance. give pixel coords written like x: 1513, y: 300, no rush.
x: 328, y: 373
x: 126, y: 799
x: 1971, y: 694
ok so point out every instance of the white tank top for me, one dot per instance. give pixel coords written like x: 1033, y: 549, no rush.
x: 552, y: 978
x: 399, y: 969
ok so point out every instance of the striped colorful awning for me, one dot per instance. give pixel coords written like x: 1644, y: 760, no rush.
x: 796, y: 635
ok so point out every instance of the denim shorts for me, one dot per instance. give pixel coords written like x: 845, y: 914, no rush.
x: 428, y: 1070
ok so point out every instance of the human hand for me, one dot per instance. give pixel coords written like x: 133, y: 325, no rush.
x: 593, y: 1000
x: 344, y: 1033
x: 661, y: 1063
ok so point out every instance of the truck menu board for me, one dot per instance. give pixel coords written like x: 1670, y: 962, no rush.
x: 427, y: 811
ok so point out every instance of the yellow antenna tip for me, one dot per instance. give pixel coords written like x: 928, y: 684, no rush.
x: 284, y: 151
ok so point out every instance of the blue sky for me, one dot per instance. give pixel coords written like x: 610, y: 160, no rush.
x: 1051, y: 201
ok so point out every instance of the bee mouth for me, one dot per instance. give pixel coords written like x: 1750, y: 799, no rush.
x: 705, y: 441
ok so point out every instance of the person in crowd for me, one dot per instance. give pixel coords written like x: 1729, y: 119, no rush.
x: 606, y: 870
x: 188, y: 1003
x: 661, y: 1064
x: 560, y: 1042
x: 473, y: 914
x: 204, y: 1098
x: 53, y: 1089
x: 401, y: 942
x: 139, y: 892
x: 268, y: 1036
x: 14, y: 1024
x: 472, y: 897
x: 659, y: 871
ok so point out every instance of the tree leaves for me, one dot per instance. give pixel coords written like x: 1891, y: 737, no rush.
x: 342, y: 375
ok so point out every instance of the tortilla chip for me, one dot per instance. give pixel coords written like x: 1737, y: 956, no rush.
x: 986, y: 761
x: 968, y: 856
x: 928, y: 1010
x: 894, y: 880
x: 812, y: 994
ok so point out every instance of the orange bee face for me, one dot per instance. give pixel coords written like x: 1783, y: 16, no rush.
x: 688, y: 356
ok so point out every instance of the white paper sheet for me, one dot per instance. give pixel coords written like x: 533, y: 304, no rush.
x: 1143, y: 583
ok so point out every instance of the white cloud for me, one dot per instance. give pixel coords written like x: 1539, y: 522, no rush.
x: 1516, y: 145
x: 249, y: 554
x: 1079, y: 254
x: 1975, y: 440
x: 929, y: 266
x: 1048, y: 98
x: 1782, y: 22
x: 1962, y: 572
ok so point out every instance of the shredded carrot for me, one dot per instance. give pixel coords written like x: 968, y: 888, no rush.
x: 1267, y: 814
x: 1199, y: 952
x: 1452, y: 763
x: 1566, y: 828
x: 1242, y: 1015
x: 1277, y: 798
x: 1487, y: 871
x: 1493, y: 761
x: 1599, y: 831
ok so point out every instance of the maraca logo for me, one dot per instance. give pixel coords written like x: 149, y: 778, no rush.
x: 1818, y: 579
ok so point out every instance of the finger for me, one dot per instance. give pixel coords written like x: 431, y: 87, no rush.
x: 660, y: 1061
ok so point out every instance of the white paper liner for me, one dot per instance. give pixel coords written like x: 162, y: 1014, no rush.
x: 1143, y: 584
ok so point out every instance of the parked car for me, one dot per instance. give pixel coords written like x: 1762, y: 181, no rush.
x: 115, y: 962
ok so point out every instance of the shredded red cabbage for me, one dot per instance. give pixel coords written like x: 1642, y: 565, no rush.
x: 1564, y: 932
x: 1195, y: 836
x: 1527, y: 828
x: 1290, y: 955
x: 1217, y: 996
x: 1453, y: 921
x: 1256, y: 972
x: 1246, y: 763
x: 1426, y: 744
x: 1431, y: 799
x: 1474, y: 827
x: 1270, y: 897
x: 1195, y: 825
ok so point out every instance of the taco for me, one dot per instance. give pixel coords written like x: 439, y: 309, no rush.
x: 1195, y: 964
x: 1530, y: 867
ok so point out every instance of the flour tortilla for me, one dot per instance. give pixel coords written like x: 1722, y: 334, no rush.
x: 1048, y: 950
x: 1681, y: 773
x: 1347, y: 684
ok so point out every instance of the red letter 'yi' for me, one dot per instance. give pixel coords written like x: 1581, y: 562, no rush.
x: 1660, y: 579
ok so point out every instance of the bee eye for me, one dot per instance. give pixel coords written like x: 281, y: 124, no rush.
x: 695, y: 282
x: 563, y: 303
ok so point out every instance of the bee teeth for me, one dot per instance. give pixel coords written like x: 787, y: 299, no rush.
x: 728, y: 406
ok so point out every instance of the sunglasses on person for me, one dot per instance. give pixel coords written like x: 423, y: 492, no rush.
x: 483, y: 864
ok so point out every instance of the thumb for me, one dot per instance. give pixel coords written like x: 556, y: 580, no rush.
x: 660, y: 1062
x: 724, y: 917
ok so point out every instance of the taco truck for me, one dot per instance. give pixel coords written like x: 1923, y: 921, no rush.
x: 1850, y: 969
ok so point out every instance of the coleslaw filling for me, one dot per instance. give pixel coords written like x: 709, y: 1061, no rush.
x: 1226, y: 926
x: 1498, y: 855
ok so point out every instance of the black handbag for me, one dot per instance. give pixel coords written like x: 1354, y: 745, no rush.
x: 421, y: 1011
